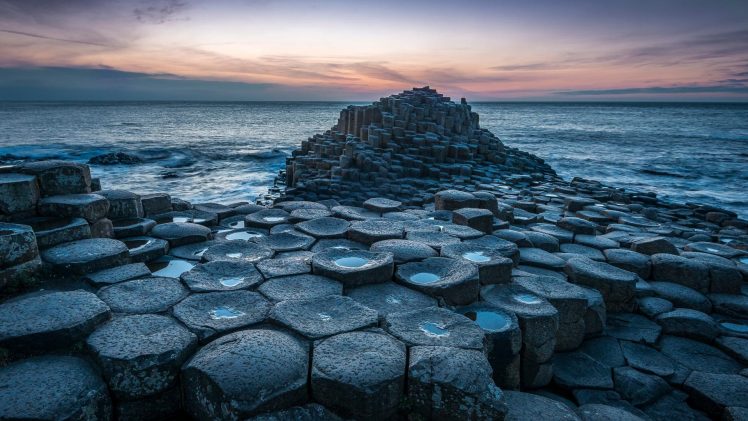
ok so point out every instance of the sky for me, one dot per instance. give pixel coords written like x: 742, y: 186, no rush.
x: 571, y: 50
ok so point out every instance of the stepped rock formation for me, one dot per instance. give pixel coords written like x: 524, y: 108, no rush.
x: 405, y: 147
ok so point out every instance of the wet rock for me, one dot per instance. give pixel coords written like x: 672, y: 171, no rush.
x: 724, y: 275
x: 141, y: 355
x: 629, y: 260
x: 680, y: 270
x: 454, y: 199
x: 573, y: 370
x: 713, y: 392
x: 155, y: 203
x: 540, y: 258
x: 452, y: 384
x: 132, y: 227
x: 596, y: 241
x: 435, y: 240
x: 48, y: 321
x: 53, y: 388
x: 682, y: 296
x: 147, y: 295
x: 286, y: 266
x: 308, y: 214
x: 604, y: 349
x: 382, y: 205
x: 59, y: 177
x: 164, y: 405
x: 632, y: 327
x: 237, y: 251
x: 673, y: 406
x: 300, y: 287
x: 715, y: 249
x: 647, y: 359
x: 145, y: 249
x: 517, y: 237
x: 86, y: 256
x: 637, y: 387
x: 562, y: 235
x: 118, y: 274
x: 352, y: 213
x: 479, y: 219
x: 222, y: 211
x: 496, y: 244
x: 215, y: 313
x: 267, y: 218
x: 187, y: 215
x: 360, y: 373
x: 18, y: 193
x: 595, y: 315
x: 653, y: 306
x: 308, y: 412
x: 577, y: 225
x: 353, y: 267
x: 730, y: 304
x: 697, y: 355
x: 122, y: 204
x: 388, y: 297
x: 374, y: 230
x: 53, y: 231
x: 102, y: 228
x: 193, y: 251
x: 222, y: 276
x: 404, y: 251
x: 493, y: 266
x: 689, y: 323
x: 588, y: 252
x: 526, y: 406
x: 653, y: 245
x: 598, y: 412
x: 616, y: 285
x: 453, y: 280
x: 339, y: 244
x: 91, y: 207
x: 115, y: 158
x: 181, y: 233
x: 435, y: 326
x: 17, y: 245
x: 737, y: 348
x: 321, y: 317
x: 286, y: 241
x: 169, y: 267
x: 326, y: 227
x: 245, y: 373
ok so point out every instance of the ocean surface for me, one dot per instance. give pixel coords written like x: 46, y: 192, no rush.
x: 232, y: 151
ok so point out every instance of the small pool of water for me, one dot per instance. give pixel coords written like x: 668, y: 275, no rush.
x: 391, y: 299
x: 743, y: 260
x: 135, y: 245
x: 735, y: 327
x: 234, y: 255
x: 232, y: 282
x: 436, y: 330
x: 243, y: 235
x: 169, y: 268
x: 273, y: 218
x: 527, y: 299
x: 476, y: 256
x: 424, y: 278
x: 224, y: 312
x: 351, y: 262
x: 188, y: 219
x: 237, y: 224
x: 489, y: 320
x: 324, y: 317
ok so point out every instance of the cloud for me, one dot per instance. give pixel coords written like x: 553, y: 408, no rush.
x: 523, y: 67
x: 159, y: 11
x: 713, y: 89
x: 74, y: 41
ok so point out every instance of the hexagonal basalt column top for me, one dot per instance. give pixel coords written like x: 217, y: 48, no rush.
x: 354, y: 267
x: 453, y: 280
x: 435, y: 326
x: 86, y: 256
x: 267, y: 218
x: 238, y: 251
x: 214, y: 313
x: 320, y: 317
x: 181, y: 233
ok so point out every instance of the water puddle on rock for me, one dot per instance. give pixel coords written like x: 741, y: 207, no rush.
x: 476, y: 256
x: 424, y: 278
x: 527, y: 299
x: 224, y: 312
x: 435, y: 330
x: 735, y: 327
x: 135, y: 245
x: 324, y: 317
x: 488, y: 320
x: 743, y: 260
x: 234, y: 255
x: 351, y: 262
x: 199, y: 253
x: 273, y: 218
x: 172, y: 268
x: 391, y: 299
x: 237, y: 224
x: 243, y: 235
x: 232, y: 282
x: 180, y: 219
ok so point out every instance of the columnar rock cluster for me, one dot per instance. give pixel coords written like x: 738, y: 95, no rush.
x: 519, y: 299
x: 404, y: 147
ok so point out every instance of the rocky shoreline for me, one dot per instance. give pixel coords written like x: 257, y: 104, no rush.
x: 412, y: 267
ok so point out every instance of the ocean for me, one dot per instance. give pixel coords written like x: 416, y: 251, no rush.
x: 202, y: 151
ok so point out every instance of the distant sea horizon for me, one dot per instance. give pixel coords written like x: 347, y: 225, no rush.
x: 231, y: 150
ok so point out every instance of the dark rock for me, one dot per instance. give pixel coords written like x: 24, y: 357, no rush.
x: 540, y: 258
x: 132, y: 227
x: 53, y: 388
x: 682, y: 296
x: 18, y: 193
x: 632, y: 327
x: 308, y: 412
x: 526, y: 406
x: 246, y: 373
x: 389, y: 298
x: 115, y: 158
x: 454, y: 199
x: 215, y: 313
x: 737, y: 348
x: 192, y: 251
x: 137, y: 362
x: 598, y: 412
x: 170, y: 267
x: 325, y: 316
x: 156, y: 203
x: 680, y: 270
x: 286, y: 241
x: 353, y: 267
x: 222, y: 276
x: 17, y: 245
x: 59, y: 177
x: 300, y: 287
x: 689, y: 323
x: 286, y: 266
x: 577, y: 225
x: 715, y: 249
x: 118, y: 274
x: 629, y: 260
x: 181, y: 233
x: 673, y: 406
x: 404, y: 251
x: 435, y: 240
x: 573, y: 370
x: 237, y: 251
x: 647, y: 359
x: 49, y: 321
x: 730, y: 304
x: 123, y: 204
x: 267, y: 218
x: 326, y: 227
x: 164, y: 405
x: 452, y: 384
x: 604, y: 349
x: 453, y: 280
x: 713, y: 392
x: 145, y: 249
x: 53, y: 231
x: 653, y: 306
x: 653, y: 245
x: 616, y: 285
x: 578, y: 249
x: 637, y: 387
x: 479, y: 219
x: 91, y: 207
x: 340, y: 244
x: 697, y: 356
x: 435, y: 326
x: 493, y: 266
x: 360, y: 373
x: 382, y: 205
x: 147, y: 295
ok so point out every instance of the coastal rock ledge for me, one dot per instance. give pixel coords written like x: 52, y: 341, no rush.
x: 415, y: 268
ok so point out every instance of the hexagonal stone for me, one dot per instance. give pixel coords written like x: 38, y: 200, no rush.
x: 499, y: 245
x: 493, y: 266
x: 325, y: 227
x: 308, y: 412
x: 389, y: 298
x: 18, y: 193
x: 689, y: 323
x: 360, y: 373
x: 170, y: 267
x: 714, y: 392
x: 47, y: 321
x: 697, y: 356
x: 562, y: 235
x: 214, y: 313
x: 715, y: 249
x: 192, y: 251
x: 118, y: 274
x: 17, y: 244
x: 354, y: 267
x: 604, y: 349
x: 122, y: 204
x: 243, y: 234
x: 286, y: 266
x: 577, y: 225
x: 435, y: 240
x: 317, y: 318
x: 237, y: 251
x: 454, y: 199
x: 132, y: 227
x: 246, y: 373
x: 59, y: 177
x: 86, y: 256
x: 616, y: 285
x: 599, y: 412
x: 479, y: 219
x: 187, y: 216
x: 353, y: 213
x: 449, y: 383
x: 653, y: 245
x: 222, y: 211
x: 147, y: 295
x: 680, y: 270
x: 53, y: 388
x: 181, y: 233
x: 339, y: 243
x: 435, y: 326
x: 53, y: 231
x: 91, y: 207
x: 682, y: 296
x: 141, y: 355
x: 540, y: 258
x: 629, y: 260
x: 632, y: 327
x: 286, y: 241
x: 637, y: 387
x: 221, y: 276
x: 453, y: 280
x: 308, y: 214
x: 267, y: 218
x: 574, y: 370
x: 404, y: 251
x: 730, y: 304
x: 372, y: 230
x: 382, y: 205
x: 527, y: 406
x: 588, y: 252
x: 647, y: 359
x: 300, y: 287
x: 145, y: 249
x: 724, y: 275
x: 155, y: 203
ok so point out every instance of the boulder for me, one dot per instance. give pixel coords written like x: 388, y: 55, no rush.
x: 435, y: 326
x: 122, y: 204
x: 181, y: 233
x: 91, y: 207
x: 59, y: 177
x: 18, y: 193
x: 680, y: 270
